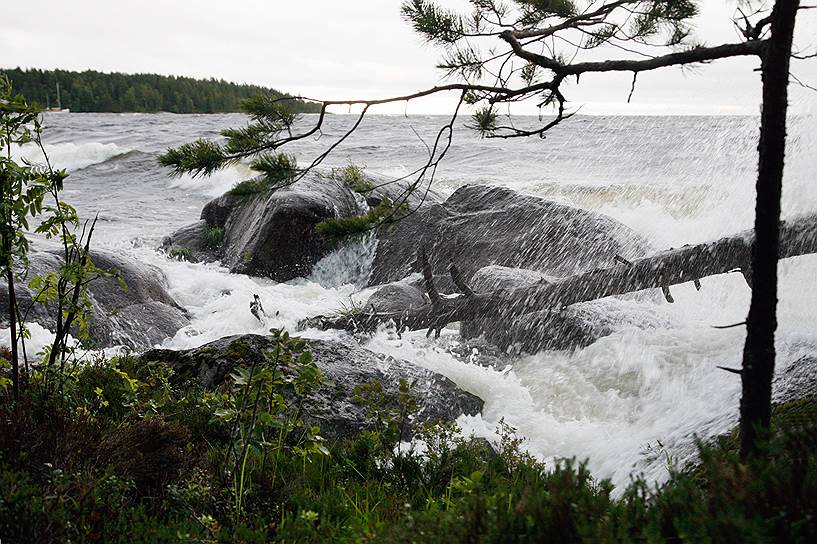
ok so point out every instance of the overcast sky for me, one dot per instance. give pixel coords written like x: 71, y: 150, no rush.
x: 342, y: 49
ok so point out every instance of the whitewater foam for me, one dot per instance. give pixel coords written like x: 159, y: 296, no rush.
x: 71, y: 155
x: 674, y: 180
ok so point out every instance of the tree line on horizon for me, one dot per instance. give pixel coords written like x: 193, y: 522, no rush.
x: 92, y: 91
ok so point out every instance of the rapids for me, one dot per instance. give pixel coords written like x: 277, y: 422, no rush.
x: 632, y: 401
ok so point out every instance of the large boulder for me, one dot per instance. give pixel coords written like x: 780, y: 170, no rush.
x: 138, y: 316
x: 272, y: 233
x: 344, y: 366
x: 480, y: 226
x: 504, y: 240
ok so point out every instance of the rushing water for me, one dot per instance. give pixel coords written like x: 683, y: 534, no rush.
x: 676, y: 180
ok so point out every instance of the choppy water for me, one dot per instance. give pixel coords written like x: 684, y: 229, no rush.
x: 676, y: 180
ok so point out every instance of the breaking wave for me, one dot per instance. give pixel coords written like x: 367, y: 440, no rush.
x: 72, y: 156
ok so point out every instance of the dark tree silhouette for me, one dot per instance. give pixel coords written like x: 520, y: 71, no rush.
x: 92, y: 91
x: 758, y: 352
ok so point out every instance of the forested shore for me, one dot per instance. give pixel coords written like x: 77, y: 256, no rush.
x: 92, y: 91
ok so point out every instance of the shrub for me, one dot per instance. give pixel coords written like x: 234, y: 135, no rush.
x: 352, y: 176
x: 151, y: 451
x: 250, y: 187
x: 181, y: 254
x: 214, y: 237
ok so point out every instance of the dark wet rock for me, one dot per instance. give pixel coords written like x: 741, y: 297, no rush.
x: 442, y: 282
x: 272, y: 234
x: 344, y: 366
x: 480, y: 226
x: 577, y: 325
x: 386, y: 187
x: 189, y: 243
x: 139, y: 316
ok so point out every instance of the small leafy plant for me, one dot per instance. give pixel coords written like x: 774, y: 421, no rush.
x: 352, y: 176
x: 214, y: 237
x: 265, y: 410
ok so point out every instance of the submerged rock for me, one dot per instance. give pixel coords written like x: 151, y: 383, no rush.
x: 480, y: 226
x: 345, y: 367
x: 138, y: 316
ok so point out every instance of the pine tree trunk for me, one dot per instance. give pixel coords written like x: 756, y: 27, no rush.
x: 758, y: 352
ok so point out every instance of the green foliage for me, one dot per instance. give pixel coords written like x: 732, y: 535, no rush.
x: 24, y: 186
x: 535, y: 10
x: 264, y: 409
x: 668, y: 16
x: 250, y: 187
x: 434, y: 23
x: 352, y: 176
x: 278, y: 169
x: 389, y: 423
x: 343, y: 227
x: 200, y: 157
x: 181, y: 254
x: 134, y: 452
x: 484, y: 120
x: 24, y: 189
x: 92, y: 91
x: 270, y: 117
x: 214, y: 237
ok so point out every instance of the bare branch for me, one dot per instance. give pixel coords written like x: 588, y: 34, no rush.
x: 694, y: 55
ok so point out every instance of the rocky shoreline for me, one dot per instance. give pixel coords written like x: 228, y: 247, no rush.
x: 500, y: 239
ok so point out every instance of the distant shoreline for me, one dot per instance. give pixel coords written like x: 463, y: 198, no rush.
x: 99, y: 92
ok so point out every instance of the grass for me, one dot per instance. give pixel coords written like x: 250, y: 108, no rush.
x: 352, y: 176
x: 214, y: 237
x: 343, y: 227
x: 181, y: 254
x: 133, y: 453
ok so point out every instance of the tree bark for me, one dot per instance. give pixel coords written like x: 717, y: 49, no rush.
x: 685, y: 264
x: 758, y: 351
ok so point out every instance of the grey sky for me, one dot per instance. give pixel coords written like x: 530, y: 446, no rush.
x: 342, y: 49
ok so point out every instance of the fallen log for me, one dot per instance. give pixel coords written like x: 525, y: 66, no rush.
x: 671, y: 267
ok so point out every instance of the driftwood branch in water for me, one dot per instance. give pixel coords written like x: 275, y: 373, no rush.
x: 671, y: 267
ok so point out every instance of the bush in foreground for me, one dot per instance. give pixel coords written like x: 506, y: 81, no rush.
x: 135, y: 454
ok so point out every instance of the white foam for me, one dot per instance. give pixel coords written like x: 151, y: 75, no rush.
x: 654, y: 378
x: 217, y: 183
x: 70, y: 155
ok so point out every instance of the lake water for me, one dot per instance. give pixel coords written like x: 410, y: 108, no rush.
x: 676, y: 180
